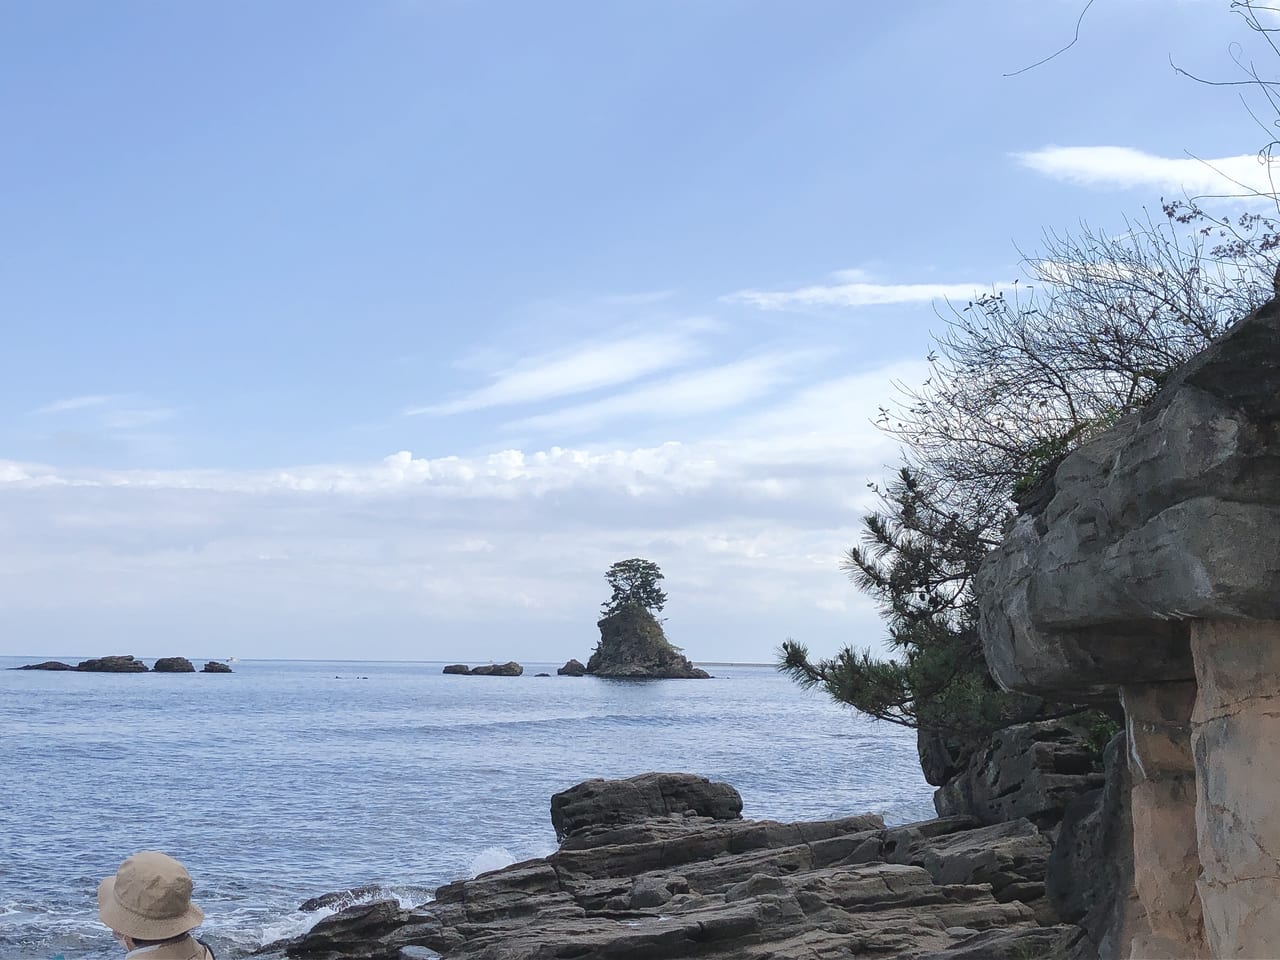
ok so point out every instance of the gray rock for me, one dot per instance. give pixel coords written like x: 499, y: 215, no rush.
x: 460, y: 669
x: 1089, y: 876
x: 508, y: 669
x: 671, y: 887
x: 173, y: 665
x: 607, y: 803
x: 215, y: 666
x: 113, y: 664
x: 1171, y: 515
x: 573, y: 668
x: 1031, y: 770
x: 46, y: 665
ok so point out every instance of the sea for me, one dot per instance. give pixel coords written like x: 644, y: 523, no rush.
x: 289, y: 779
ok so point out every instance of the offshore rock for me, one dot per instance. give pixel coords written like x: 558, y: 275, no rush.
x: 681, y: 885
x: 46, y: 665
x: 573, y: 668
x: 173, y: 665
x: 459, y: 669
x: 508, y: 669
x: 115, y: 664
x: 633, y: 646
x: 596, y: 804
x: 215, y: 666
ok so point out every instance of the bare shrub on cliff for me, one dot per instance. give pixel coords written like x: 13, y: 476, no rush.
x: 1017, y: 379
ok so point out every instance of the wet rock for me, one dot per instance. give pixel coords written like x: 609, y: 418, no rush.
x: 173, y: 665
x: 573, y: 668
x: 215, y: 666
x: 46, y: 665
x: 114, y: 664
x: 339, y: 898
x: 348, y: 933
x: 460, y: 669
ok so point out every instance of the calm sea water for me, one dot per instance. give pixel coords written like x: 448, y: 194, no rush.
x: 289, y: 779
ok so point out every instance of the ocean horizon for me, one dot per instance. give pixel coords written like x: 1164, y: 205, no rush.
x: 292, y: 778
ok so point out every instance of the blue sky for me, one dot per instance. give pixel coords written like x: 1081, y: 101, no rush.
x: 382, y: 329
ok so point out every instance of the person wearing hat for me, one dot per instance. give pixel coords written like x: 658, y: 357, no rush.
x: 148, y: 907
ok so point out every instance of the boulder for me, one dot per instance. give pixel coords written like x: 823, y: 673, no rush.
x: 215, y: 666
x: 340, y: 898
x: 460, y: 669
x: 607, y: 803
x: 114, y: 664
x: 508, y: 669
x: 679, y: 884
x: 574, y: 668
x: 633, y: 646
x: 46, y: 665
x: 542, y: 674
x: 173, y: 665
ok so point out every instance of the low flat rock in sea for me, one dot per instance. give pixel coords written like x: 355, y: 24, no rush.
x: 683, y: 884
x: 46, y: 665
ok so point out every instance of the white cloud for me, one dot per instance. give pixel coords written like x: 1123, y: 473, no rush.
x: 1127, y: 168
x: 703, y: 391
x: 858, y: 293
x: 489, y: 556
x: 586, y: 368
x: 76, y: 403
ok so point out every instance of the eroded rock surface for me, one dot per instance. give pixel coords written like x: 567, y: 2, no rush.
x: 684, y: 885
x: 1030, y: 770
x: 573, y: 668
x: 215, y: 666
x: 173, y: 665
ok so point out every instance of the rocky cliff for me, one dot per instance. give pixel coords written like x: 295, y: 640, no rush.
x: 1147, y: 568
x: 633, y: 646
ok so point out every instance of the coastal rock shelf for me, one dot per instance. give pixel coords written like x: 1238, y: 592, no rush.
x: 662, y: 867
x: 1148, y: 567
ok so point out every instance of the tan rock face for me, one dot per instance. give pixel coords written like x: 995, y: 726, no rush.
x: 1166, y: 859
x: 1235, y: 729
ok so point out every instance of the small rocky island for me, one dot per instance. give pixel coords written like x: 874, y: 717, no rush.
x: 508, y: 669
x: 633, y: 645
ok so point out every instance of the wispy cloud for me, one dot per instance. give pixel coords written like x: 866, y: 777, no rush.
x: 1127, y: 168
x: 585, y: 368
x: 856, y: 288
x: 76, y: 403
x: 704, y: 391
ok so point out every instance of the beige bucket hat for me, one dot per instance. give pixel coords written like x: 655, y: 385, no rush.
x: 149, y: 898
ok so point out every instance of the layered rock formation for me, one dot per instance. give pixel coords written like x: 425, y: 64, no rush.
x: 215, y: 666
x: 662, y: 867
x: 1148, y: 567
x: 633, y: 646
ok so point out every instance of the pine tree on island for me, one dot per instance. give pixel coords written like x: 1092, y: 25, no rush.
x: 632, y: 642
